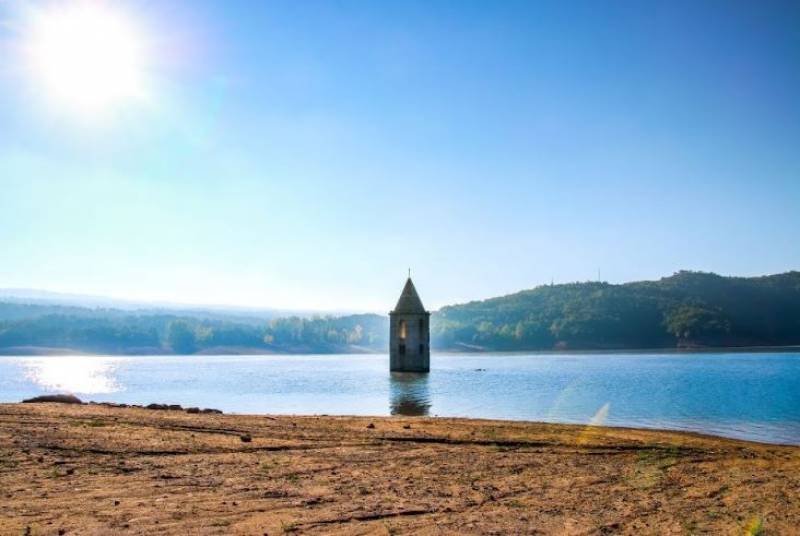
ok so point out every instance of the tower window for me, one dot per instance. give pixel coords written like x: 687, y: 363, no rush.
x: 402, y: 349
x: 421, y: 349
x: 403, y: 329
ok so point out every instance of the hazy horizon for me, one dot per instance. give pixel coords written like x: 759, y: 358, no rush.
x: 305, y: 155
x: 30, y: 295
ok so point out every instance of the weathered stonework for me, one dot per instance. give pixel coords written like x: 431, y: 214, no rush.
x: 409, y: 333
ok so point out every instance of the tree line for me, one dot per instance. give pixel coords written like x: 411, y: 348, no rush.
x: 688, y: 309
x: 153, y: 333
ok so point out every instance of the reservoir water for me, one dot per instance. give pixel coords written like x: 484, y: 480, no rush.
x: 742, y: 395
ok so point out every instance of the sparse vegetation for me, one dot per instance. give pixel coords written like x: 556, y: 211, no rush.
x: 755, y: 527
x: 288, y: 527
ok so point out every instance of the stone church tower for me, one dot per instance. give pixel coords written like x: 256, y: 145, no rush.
x: 409, y: 333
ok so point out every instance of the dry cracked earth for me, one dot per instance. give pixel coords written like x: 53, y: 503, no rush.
x: 93, y: 469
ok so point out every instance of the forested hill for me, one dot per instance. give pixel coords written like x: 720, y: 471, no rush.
x: 47, y: 328
x: 688, y: 309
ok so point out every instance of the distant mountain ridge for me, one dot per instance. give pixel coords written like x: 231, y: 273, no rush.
x: 685, y: 310
x: 47, y: 297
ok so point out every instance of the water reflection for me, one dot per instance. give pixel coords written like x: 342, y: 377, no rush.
x: 748, y: 396
x: 80, y: 374
x: 409, y: 394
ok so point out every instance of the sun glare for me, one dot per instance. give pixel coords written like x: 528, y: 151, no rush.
x: 88, y: 56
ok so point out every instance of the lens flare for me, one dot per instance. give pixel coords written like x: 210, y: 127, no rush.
x: 593, y: 430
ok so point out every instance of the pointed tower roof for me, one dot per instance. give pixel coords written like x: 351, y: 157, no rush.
x: 409, y: 301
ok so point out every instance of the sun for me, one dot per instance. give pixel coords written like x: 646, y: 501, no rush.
x: 87, y: 56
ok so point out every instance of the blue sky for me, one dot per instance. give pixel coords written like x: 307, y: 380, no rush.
x: 305, y: 154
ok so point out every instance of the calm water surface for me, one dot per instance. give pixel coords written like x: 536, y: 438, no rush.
x: 744, y: 395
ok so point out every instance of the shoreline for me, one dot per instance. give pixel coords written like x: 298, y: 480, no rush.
x: 489, y: 420
x: 95, y: 469
x: 173, y: 405
x: 44, y: 351
x: 494, y: 421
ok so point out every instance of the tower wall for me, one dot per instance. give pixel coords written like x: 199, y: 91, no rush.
x: 411, y: 353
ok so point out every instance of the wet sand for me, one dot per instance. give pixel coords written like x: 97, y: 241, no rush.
x: 92, y: 469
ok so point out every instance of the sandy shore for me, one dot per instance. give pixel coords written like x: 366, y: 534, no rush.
x: 90, y: 469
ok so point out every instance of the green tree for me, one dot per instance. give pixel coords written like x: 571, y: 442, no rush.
x: 696, y: 322
x: 181, y: 337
